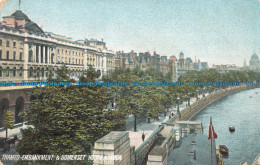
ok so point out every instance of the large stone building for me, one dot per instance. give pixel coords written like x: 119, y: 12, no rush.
x: 27, y: 53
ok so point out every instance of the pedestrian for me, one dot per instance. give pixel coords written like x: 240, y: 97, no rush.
x: 143, y: 136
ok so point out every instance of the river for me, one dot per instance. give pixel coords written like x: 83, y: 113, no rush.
x: 243, y: 112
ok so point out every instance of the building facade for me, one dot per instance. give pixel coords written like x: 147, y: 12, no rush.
x: 27, y: 53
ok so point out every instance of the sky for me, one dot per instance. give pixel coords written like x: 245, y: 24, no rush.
x: 216, y: 31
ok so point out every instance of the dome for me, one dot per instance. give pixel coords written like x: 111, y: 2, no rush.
x: 188, y: 59
x: 181, y: 53
x: 254, y: 57
x: 20, y: 15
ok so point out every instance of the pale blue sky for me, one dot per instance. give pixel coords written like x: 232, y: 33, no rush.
x: 217, y: 31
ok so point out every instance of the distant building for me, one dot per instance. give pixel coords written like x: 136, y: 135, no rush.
x: 254, y: 63
x: 175, y: 67
x: 226, y: 67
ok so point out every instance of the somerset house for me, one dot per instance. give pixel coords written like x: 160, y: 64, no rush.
x: 27, y: 53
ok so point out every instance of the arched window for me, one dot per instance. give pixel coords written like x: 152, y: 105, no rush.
x: 19, y: 107
x: 47, y: 72
x: 14, y: 72
x: 1, y: 71
x: 30, y: 59
x: 31, y: 72
x: 7, y: 43
x: 38, y: 72
x: 4, y: 105
x: 52, y: 58
x: 69, y: 60
x: 53, y: 71
x: 7, y: 71
x: 21, y: 71
x: 42, y: 72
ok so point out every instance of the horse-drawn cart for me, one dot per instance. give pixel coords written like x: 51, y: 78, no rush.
x: 5, y: 144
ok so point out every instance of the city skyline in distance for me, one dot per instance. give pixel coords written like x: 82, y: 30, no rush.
x: 219, y: 32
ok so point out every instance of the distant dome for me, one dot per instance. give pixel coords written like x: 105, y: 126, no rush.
x: 181, y: 53
x: 254, y: 57
x: 20, y: 15
x: 188, y: 59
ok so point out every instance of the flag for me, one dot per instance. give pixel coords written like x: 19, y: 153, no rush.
x: 211, y: 131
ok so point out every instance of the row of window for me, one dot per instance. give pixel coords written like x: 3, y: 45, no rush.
x: 8, y: 55
x: 69, y: 52
x: 14, y: 72
x: 70, y: 61
x: 39, y: 72
x: 8, y: 44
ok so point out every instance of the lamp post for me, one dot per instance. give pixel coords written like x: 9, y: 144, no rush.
x: 178, y: 107
x: 188, y: 99
x: 197, y: 94
x: 203, y: 91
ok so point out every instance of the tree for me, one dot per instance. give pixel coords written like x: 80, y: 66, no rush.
x: 8, y: 121
x: 90, y: 75
x: 66, y: 120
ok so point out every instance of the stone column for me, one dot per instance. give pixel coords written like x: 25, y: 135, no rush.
x: 43, y: 52
x: 26, y: 55
x: 85, y: 62
x: 49, y: 55
x: 40, y: 54
x: 34, y: 52
x: 105, y: 63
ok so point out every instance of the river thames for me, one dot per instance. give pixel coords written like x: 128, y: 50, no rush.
x: 241, y: 110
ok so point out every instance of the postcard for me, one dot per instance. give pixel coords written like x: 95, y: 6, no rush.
x: 119, y: 82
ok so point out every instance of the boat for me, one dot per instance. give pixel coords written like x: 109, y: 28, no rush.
x: 231, y: 128
x: 223, y: 150
x: 251, y: 97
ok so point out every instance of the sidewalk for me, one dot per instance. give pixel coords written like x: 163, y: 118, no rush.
x: 149, y: 128
x: 12, y: 132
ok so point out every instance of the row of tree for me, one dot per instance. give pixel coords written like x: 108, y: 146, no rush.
x: 69, y: 119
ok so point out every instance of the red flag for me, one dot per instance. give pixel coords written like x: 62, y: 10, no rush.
x: 214, y: 133
x: 211, y: 131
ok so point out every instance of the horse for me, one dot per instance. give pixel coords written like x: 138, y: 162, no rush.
x: 12, y: 141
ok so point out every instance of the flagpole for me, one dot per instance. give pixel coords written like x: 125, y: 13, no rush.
x: 211, y: 140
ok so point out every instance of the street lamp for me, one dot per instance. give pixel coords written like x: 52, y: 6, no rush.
x: 178, y: 107
x: 203, y: 91
x: 197, y: 94
x: 188, y: 99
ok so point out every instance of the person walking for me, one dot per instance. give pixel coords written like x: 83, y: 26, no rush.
x: 143, y: 136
